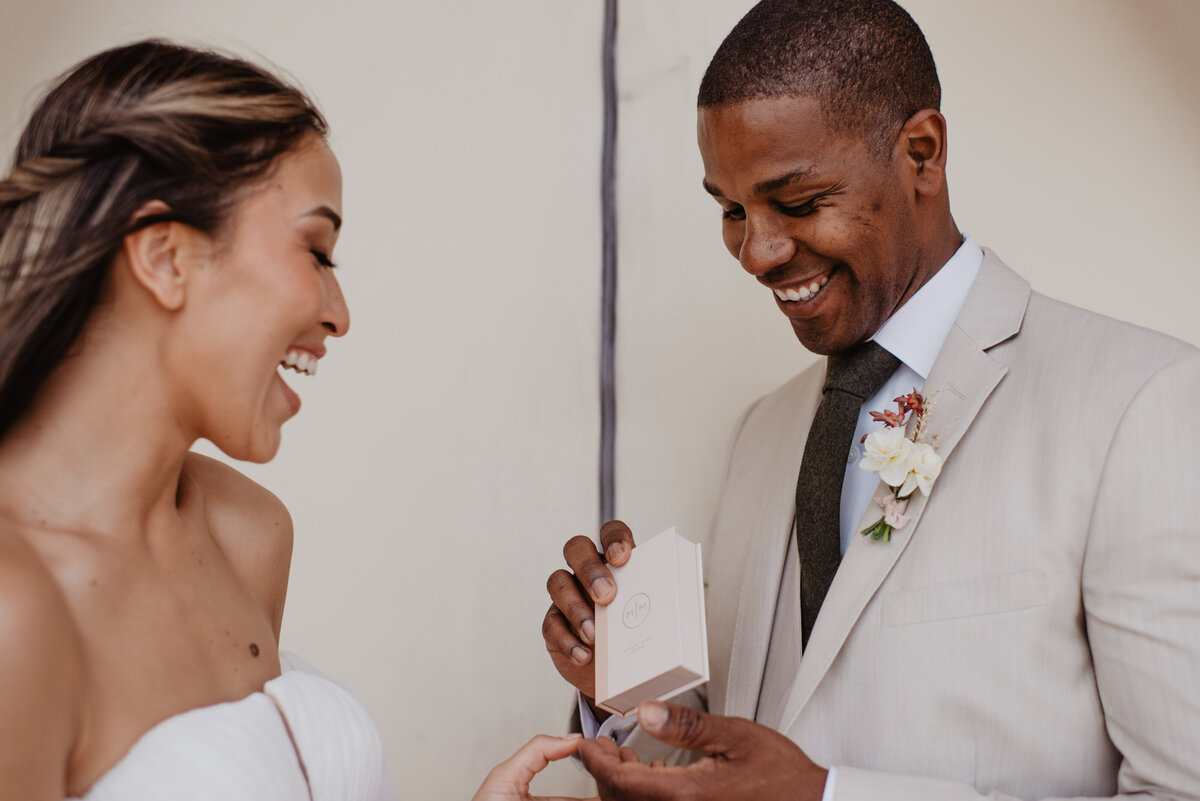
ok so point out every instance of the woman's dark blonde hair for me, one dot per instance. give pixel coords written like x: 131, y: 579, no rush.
x: 147, y: 121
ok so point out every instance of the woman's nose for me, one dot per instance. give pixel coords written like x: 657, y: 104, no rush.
x: 336, y: 314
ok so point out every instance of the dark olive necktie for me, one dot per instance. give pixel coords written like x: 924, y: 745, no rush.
x: 851, y: 377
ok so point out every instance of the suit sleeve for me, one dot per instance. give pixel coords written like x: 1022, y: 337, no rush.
x: 1140, y: 586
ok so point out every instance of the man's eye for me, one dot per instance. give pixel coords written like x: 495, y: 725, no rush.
x: 800, y: 209
x: 735, y: 213
x: 322, y: 258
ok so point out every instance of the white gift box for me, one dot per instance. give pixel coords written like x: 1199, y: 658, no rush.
x: 651, y: 641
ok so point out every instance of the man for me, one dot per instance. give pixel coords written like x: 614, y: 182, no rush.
x: 1032, y: 628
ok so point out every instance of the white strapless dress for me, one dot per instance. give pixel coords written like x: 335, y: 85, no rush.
x: 302, y: 737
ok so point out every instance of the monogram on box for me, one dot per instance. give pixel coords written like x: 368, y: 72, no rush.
x: 651, y: 641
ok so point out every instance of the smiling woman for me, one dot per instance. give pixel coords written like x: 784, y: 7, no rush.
x: 264, y: 297
x: 166, y: 240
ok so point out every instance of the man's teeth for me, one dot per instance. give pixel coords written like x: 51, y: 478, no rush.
x: 802, y: 292
x: 300, y: 361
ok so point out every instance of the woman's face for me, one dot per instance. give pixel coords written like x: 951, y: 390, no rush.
x: 263, y: 300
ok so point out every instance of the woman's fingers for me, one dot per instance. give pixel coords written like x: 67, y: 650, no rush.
x: 509, y: 781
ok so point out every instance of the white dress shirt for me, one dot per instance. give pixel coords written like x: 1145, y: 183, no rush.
x: 914, y: 334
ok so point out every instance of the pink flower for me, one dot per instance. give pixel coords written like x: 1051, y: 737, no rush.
x: 893, y: 511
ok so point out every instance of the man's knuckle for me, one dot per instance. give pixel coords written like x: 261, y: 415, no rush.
x: 691, y: 725
x: 577, y: 543
x: 579, y: 611
x: 558, y: 581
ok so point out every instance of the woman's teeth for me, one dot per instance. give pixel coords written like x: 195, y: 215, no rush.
x: 802, y: 292
x: 300, y: 361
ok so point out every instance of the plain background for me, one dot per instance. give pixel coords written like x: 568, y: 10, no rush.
x: 449, y: 445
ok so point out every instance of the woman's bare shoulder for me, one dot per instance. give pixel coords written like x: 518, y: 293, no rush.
x: 250, y: 524
x: 41, y: 675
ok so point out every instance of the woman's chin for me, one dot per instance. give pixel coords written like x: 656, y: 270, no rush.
x: 259, y: 448
x: 264, y: 452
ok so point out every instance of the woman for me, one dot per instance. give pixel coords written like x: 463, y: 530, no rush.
x: 166, y: 241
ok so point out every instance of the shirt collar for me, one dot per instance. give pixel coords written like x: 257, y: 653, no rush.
x: 915, y: 332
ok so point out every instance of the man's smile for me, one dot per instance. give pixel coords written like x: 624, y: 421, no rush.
x: 802, y: 290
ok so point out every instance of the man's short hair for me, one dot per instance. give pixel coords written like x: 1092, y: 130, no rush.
x: 865, y: 61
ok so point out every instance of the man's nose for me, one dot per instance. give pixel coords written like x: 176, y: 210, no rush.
x: 765, y: 245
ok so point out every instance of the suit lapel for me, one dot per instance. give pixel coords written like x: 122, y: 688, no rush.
x: 776, y: 444
x: 962, y: 378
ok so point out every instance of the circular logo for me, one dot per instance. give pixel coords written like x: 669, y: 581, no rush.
x: 637, y: 609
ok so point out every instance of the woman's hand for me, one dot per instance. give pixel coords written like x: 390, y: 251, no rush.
x: 509, y: 781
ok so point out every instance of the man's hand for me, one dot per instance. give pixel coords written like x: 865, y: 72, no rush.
x: 744, y: 760
x: 569, y: 628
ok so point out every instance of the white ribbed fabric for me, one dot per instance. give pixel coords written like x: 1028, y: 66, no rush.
x: 242, y: 750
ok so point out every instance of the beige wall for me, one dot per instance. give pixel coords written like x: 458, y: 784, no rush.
x: 449, y: 444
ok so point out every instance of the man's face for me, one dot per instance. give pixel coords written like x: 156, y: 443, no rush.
x: 813, y: 216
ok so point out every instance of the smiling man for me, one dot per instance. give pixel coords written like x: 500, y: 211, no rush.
x: 1030, y: 627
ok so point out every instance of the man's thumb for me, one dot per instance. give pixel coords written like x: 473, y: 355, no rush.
x: 683, y: 727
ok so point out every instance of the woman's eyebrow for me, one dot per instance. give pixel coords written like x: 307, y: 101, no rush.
x: 327, y: 213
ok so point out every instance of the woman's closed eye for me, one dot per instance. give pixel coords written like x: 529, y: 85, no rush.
x: 322, y: 258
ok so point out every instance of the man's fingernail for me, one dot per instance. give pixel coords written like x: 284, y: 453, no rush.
x: 601, y: 587
x: 580, y: 655
x: 652, y: 715
x: 616, y: 551
x: 588, y: 629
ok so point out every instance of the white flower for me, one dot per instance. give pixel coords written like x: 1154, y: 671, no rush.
x: 889, y: 453
x: 925, y: 465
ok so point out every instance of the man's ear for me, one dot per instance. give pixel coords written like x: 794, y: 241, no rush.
x: 923, y: 141
x: 159, y: 256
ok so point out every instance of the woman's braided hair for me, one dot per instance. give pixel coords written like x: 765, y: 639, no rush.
x: 147, y: 121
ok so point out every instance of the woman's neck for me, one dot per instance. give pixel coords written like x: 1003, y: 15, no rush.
x: 102, y: 448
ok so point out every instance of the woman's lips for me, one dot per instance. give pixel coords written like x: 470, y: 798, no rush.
x: 292, y: 398
x: 301, y: 361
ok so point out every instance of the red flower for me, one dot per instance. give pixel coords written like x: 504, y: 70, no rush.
x: 912, y: 402
x: 889, y: 419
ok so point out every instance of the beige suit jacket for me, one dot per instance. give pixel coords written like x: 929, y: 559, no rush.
x: 1034, y: 632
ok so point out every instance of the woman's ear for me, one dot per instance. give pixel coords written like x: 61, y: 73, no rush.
x: 160, y: 256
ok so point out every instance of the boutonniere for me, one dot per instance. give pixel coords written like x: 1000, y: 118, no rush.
x: 906, y: 465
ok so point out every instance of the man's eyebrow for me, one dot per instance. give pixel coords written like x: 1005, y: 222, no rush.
x: 327, y: 213
x: 768, y: 186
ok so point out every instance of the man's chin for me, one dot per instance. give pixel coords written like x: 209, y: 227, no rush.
x: 822, y: 343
